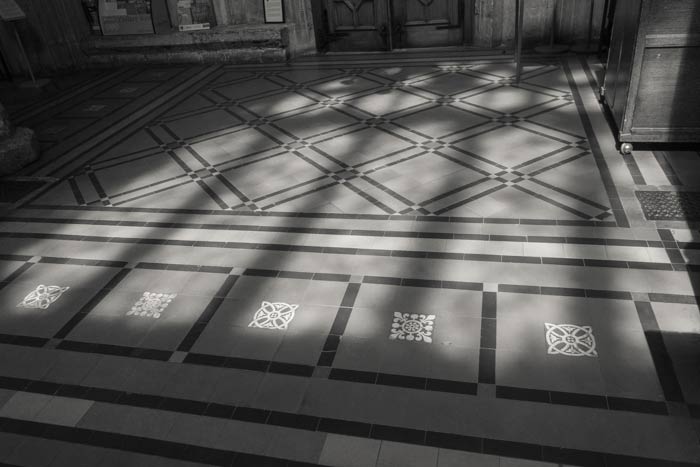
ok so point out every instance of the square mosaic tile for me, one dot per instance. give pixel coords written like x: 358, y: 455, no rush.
x: 134, y: 319
x: 46, y: 296
x: 441, y: 332
x: 590, y: 346
x: 279, y: 331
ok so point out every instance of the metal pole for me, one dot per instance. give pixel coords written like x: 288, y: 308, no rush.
x: 390, y: 25
x: 590, y: 24
x: 519, y: 14
x: 24, y: 55
x: 604, y: 25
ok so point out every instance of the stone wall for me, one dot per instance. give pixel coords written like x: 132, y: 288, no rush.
x: 56, y: 31
x: 494, y: 21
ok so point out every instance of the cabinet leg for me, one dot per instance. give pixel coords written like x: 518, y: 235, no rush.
x: 626, y: 148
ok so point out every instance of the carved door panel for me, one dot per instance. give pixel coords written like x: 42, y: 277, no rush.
x: 357, y: 24
x: 427, y: 23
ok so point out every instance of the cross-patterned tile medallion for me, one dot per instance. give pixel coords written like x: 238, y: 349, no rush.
x: 570, y: 340
x: 275, y: 315
x: 42, y: 297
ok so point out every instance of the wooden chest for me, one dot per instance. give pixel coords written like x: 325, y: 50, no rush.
x: 652, y: 82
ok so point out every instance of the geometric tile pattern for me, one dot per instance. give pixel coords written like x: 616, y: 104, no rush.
x: 441, y: 140
x: 273, y: 315
x: 412, y: 327
x: 151, y: 305
x: 43, y: 296
x: 570, y: 340
x: 670, y: 205
x: 338, y: 373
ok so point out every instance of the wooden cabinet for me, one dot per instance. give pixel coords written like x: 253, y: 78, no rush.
x: 652, y: 79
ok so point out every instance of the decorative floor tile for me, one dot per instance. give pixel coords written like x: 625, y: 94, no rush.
x: 151, y: 305
x: 570, y: 340
x: 475, y: 130
x: 276, y: 315
x: 43, y: 296
x: 204, y: 155
x: 412, y: 327
x: 670, y: 205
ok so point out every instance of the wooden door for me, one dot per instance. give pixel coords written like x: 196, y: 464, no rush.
x: 357, y: 25
x: 428, y: 23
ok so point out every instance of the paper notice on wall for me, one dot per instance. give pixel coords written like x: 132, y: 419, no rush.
x: 10, y: 11
x: 274, y: 11
x: 125, y: 17
x: 184, y: 12
x: 194, y: 14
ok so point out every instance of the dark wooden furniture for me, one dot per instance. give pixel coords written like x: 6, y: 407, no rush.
x: 652, y: 82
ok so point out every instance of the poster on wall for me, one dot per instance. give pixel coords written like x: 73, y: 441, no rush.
x: 193, y: 15
x: 125, y: 17
x: 274, y: 11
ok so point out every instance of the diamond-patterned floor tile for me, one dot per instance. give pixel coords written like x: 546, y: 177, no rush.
x: 509, y: 146
x: 563, y: 118
x: 440, y: 121
x: 450, y: 84
x: 315, y: 122
x: 234, y: 146
x: 246, y: 89
x: 555, y: 79
x: 345, y: 86
x: 387, y: 102
x: 277, y: 104
x: 403, y: 73
x: 359, y: 147
x: 208, y: 122
x: 508, y: 99
x: 138, y: 173
x: 270, y: 135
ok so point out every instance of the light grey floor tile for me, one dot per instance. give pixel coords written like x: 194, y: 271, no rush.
x: 348, y: 451
x: 296, y: 445
x: 25, y: 405
x: 64, y: 411
x: 35, y: 452
x: 398, y: 454
x: 450, y: 458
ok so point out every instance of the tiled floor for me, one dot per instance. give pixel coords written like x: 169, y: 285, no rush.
x: 405, y: 264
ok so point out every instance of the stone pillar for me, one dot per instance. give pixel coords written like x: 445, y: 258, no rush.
x: 18, y: 146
